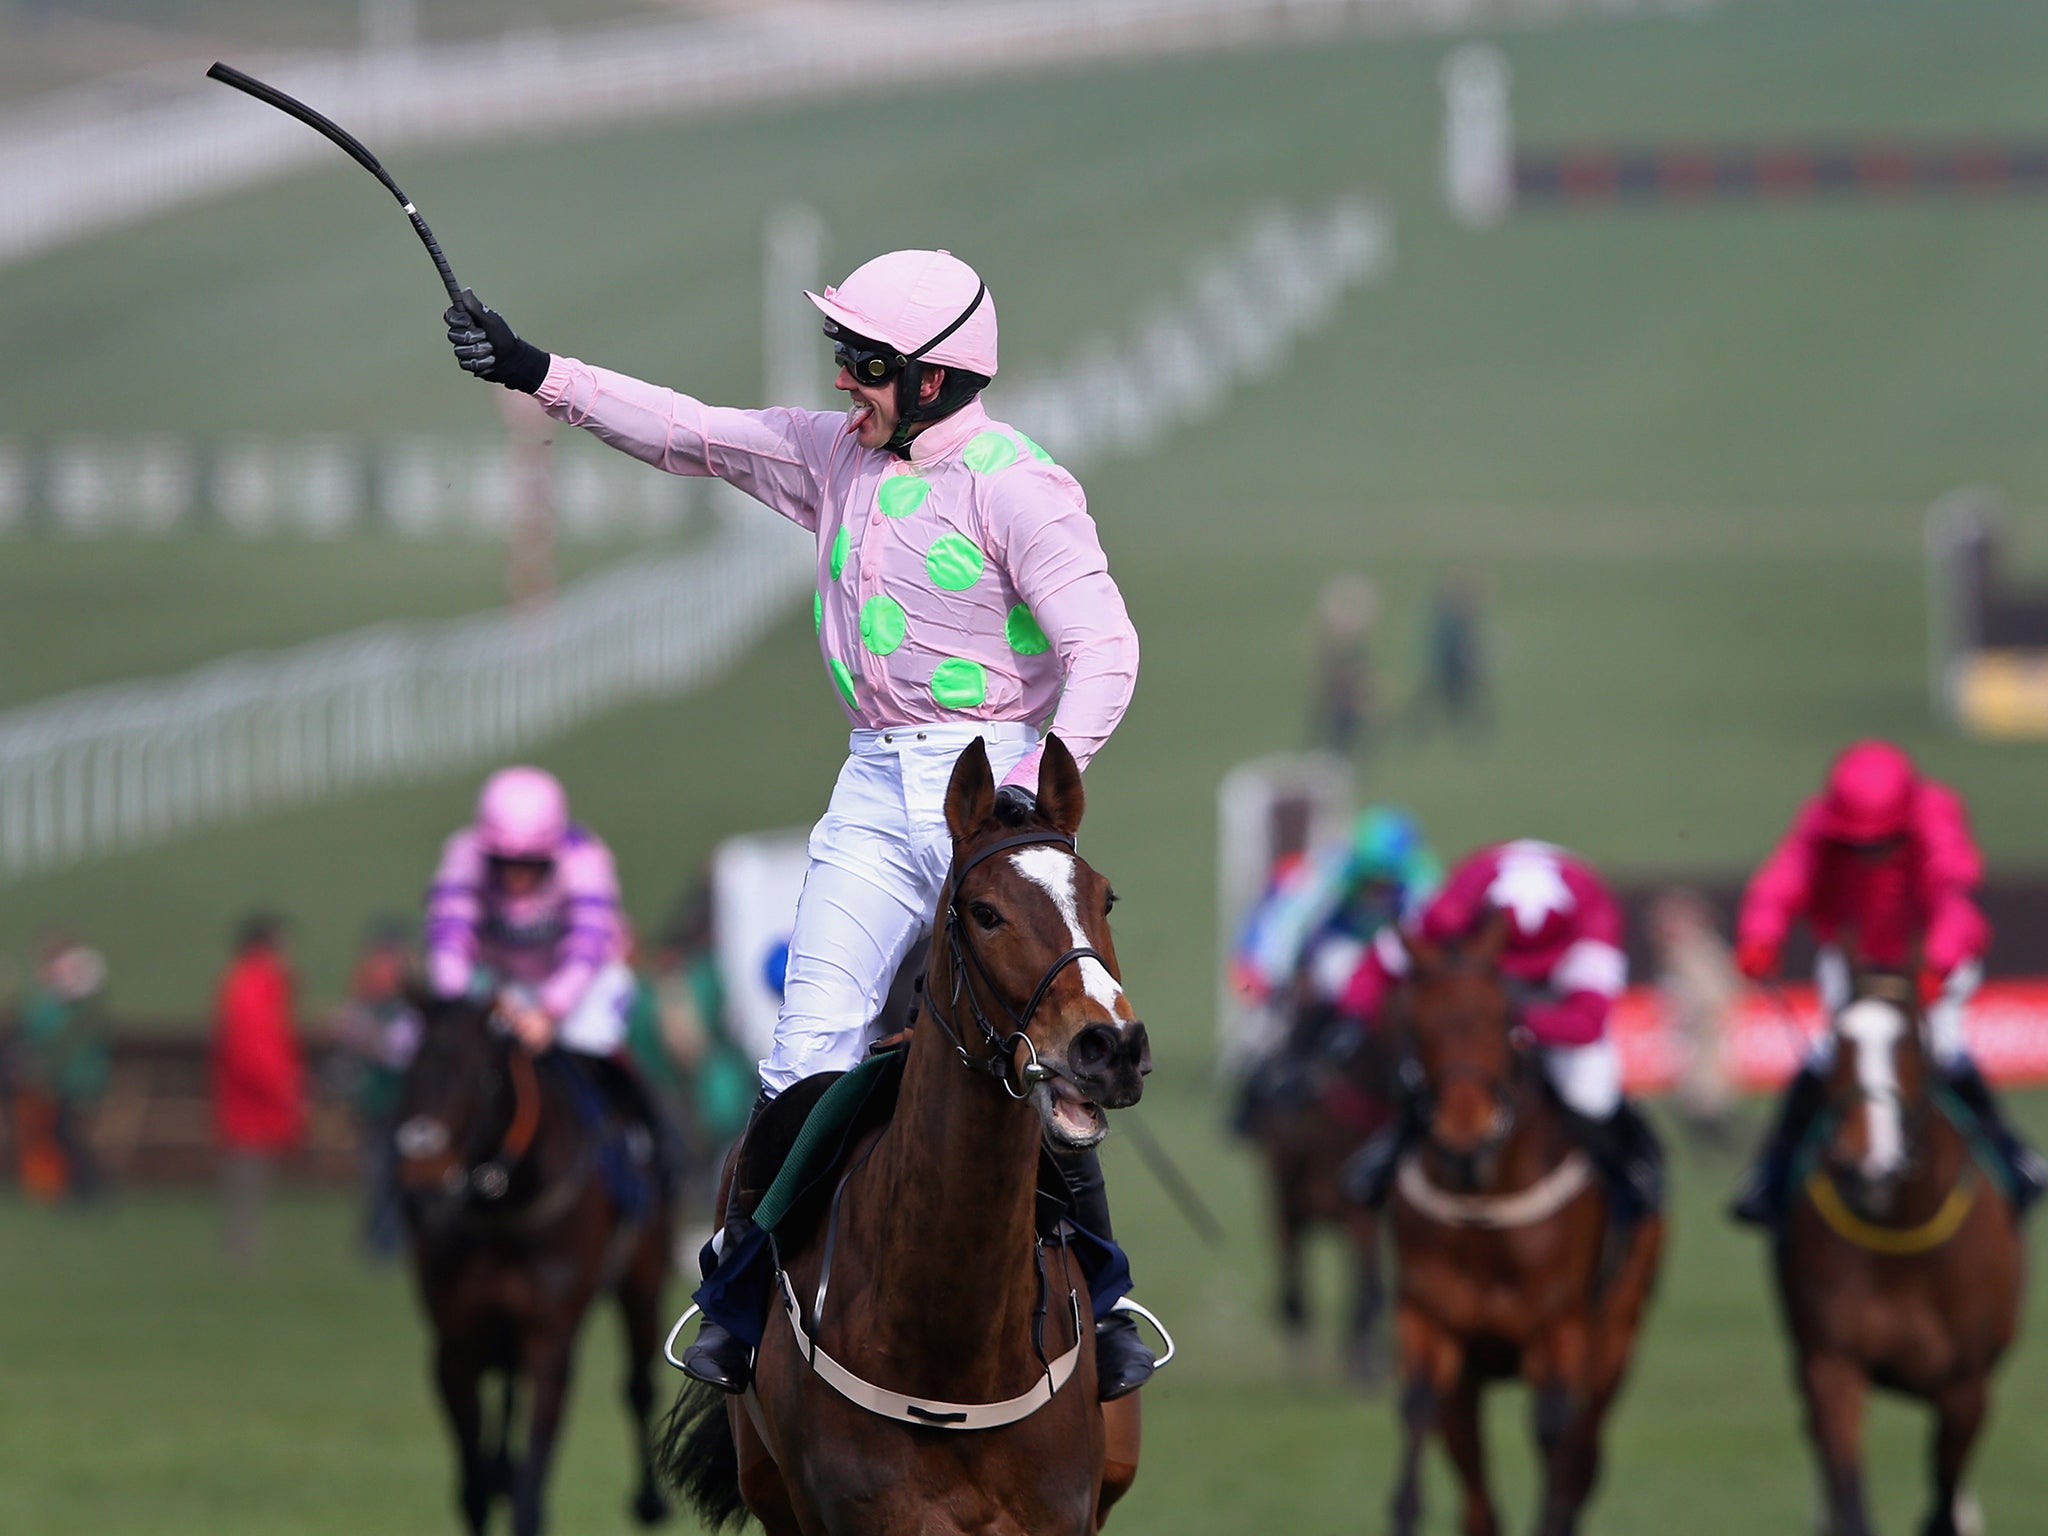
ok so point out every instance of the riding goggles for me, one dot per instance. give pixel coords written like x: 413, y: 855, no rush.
x: 870, y: 365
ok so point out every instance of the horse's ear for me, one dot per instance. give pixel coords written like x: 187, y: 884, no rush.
x: 1424, y: 958
x: 971, y: 795
x: 1060, y: 797
x: 1491, y: 939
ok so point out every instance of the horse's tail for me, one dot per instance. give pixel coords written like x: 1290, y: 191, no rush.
x: 697, y: 1458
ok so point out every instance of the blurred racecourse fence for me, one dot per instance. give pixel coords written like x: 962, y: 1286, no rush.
x: 323, y: 486
x: 111, y: 768
x: 91, y: 158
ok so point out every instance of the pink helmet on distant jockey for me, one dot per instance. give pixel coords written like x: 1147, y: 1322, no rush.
x: 1869, y: 797
x: 522, y: 813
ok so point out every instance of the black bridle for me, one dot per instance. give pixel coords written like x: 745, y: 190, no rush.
x: 1000, y: 1062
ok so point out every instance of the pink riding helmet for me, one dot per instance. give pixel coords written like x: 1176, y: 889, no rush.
x: 908, y: 298
x: 1869, y: 797
x: 522, y: 813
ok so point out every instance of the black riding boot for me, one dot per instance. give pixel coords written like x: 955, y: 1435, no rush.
x: 1760, y: 1202
x: 632, y: 1099
x: 1367, y: 1176
x: 1122, y: 1362
x: 1630, y: 1158
x: 2029, y: 1175
x: 718, y: 1357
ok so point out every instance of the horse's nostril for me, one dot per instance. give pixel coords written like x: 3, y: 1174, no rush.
x: 1093, y: 1048
x: 1138, y: 1046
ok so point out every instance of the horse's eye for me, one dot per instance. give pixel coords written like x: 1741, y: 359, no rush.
x: 1109, y: 901
x: 986, y: 915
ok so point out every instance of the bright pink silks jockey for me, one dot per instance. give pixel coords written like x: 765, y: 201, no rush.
x: 1564, y: 938
x: 553, y: 938
x: 963, y: 584
x: 1879, y: 863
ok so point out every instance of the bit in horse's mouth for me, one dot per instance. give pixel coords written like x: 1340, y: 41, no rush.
x: 1072, y: 1119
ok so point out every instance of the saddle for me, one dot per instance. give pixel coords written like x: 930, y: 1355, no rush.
x: 791, y: 1162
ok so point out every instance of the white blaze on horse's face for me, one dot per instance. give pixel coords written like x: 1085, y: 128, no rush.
x: 1052, y: 871
x: 1872, y: 1029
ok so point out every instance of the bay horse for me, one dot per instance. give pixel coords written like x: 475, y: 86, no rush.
x: 1508, y: 1265
x: 1900, y: 1261
x: 515, y: 1231
x: 944, y: 1307
x: 1316, y: 1112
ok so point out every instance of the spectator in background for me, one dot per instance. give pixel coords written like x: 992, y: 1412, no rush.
x: 378, y: 1031
x: 65, y: 1057
x: 1346, y: 688
x: 259, y: 1094
x: 1699, y: 986
x: 1454, y: 687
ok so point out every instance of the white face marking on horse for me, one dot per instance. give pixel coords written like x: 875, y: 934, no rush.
x: 1872, y: 1028
x: 1052, y: 871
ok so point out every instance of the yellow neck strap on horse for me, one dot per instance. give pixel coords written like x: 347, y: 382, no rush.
x: 1897, y: 1241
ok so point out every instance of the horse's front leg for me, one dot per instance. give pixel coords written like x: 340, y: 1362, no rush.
x: 1959, y: 1415
x: 545, y: 1360
x: 1834, y: 1388
x: 1555, y: 1365
x: 1431, y: 1361
x: 1467, y: 1447
x: 640, y: 1302
x: 1368, y: 1300
x: 458, y: 1370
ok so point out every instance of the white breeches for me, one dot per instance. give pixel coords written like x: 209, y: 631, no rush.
x: 596, y: 1026
x: 1945, y: 1038
x: 879, y: 856
x: 1586, y: 1077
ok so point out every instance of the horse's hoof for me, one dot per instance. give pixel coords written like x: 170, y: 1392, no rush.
x: 649, y: 1507
x: 1965, y: 1518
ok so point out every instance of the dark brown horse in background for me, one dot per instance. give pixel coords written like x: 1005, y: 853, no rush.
x: 1312, y: 1112
x: 940, y: 1289
x: 514, y: 1235
x: 1899, y: 1265
x: 1508, y: 1265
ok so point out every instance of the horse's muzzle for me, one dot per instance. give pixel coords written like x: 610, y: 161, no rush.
x: 1108, y: 1062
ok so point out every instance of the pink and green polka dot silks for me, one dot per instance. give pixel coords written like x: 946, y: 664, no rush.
x: 965, y: 583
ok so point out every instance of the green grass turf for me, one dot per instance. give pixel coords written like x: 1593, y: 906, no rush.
x: 1690, y: 449
x: 146, y: 1389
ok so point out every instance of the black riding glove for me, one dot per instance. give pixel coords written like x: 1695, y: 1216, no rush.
x: 486, y: 346
x: 1015, y: 805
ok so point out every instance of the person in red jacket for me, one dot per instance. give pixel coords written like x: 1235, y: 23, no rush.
x: 1564, y: 961
x: 259, y: 1104
x: 1882, y: 868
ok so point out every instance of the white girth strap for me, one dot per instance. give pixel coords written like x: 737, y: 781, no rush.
x: 1525, y: 1207
x: 921, y: 1410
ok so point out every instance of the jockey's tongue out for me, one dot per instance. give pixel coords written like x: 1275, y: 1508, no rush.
x: 962, y: 593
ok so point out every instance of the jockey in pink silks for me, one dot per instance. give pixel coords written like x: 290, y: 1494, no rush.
x: 1565, y: 966
x: 1882, y: 869
x: 961, y: 593
x: 527, y: 901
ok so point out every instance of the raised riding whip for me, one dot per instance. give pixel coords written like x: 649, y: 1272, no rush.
x: 271, y: 96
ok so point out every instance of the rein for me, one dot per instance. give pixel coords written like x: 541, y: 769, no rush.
x: 999, y: 1062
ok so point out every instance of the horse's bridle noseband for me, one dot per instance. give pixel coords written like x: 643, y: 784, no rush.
x: 1018, y: 1083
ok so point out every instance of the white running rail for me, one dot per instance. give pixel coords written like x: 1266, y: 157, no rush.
x: 121, y: 149
x: 112, y: 768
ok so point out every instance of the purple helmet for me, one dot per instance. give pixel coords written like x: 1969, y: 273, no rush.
x: 522, y: 814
